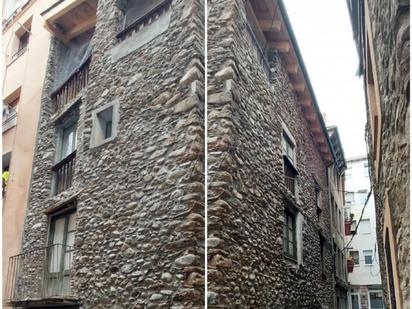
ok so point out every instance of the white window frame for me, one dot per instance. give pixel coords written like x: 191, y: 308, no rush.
x: 369, y: 297
x: 96, y: 139
x: 364, y: 257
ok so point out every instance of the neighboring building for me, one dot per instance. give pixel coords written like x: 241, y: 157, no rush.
x: 25, y: 51
x: 269, y: 225
x: 336, y: 180
x: 365, y: 280
x: 115, y: 217
x: 382, y: 34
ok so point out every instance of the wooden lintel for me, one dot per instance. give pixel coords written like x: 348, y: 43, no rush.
x: 270, y: 25
x: 281, y: 46
x: 299, y: 86
x: 292, y: 68
x: 82, y: 27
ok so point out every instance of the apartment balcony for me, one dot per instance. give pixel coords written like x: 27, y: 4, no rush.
x: 10, y: 119
x: 40, y: 278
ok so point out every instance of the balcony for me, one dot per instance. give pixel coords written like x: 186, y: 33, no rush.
x: 63, y: 173
x: 40, y: 277
x: 70, y: 89
x: 290, y: 176
x: 10, y: 119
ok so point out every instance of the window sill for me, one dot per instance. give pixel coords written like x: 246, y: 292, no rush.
x: 17, y: 55
x: 100, y: 145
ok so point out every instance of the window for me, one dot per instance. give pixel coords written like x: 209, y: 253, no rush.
x: 349, y: 198
x: 104, y: 124
x: 353, y: 226
x: 355, y: 299
x: 61, y: 247
x: 63, y: 169
x: 288, y: 147
x: 366, y: 169
x: 364, y: 226
x: 376, y: 299
x: 289, y: 158
x: 68, y: 140
x: 355, y: 256
x: 289, y: 235
x: 368, y: 256
x: 24, y: 41
x: 339, y: 220
x: 318, y: 200
x: 362, y: 196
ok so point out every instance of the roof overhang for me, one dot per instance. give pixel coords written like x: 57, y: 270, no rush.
x: 67, y: 19
x: 274, y: 23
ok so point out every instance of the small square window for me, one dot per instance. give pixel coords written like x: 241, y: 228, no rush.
x: 104, y: 124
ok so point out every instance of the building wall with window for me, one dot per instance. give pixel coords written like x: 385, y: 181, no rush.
x: 116, y: 211
x: 25, y: 52
x: 269, y: 237
x: 381, y: 31
x: 365, y: 280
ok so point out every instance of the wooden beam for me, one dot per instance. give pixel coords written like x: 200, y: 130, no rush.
x: 61, y: 9
x: 56, y: 32
x: 281, y: 46
x: 292, y: 68
x: 270, y: 25
x: 299, y: 86
x: 82, y: 27
x: 310, y: 116
x: 306, y: 102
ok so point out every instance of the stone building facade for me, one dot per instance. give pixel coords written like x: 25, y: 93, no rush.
x: 116, y: 211
x: 381, y: 31
x: 269, y: 225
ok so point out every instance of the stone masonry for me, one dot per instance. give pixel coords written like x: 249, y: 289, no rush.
x: 246, y: 191
x: 391, y: 43
x: 139, y: 239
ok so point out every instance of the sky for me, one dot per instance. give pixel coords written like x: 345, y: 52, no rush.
x: 324, y: 34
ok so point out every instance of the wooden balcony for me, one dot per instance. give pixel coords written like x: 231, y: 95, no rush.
x: 63, y: 173
x: 68, y: 19
x: 69, y: 90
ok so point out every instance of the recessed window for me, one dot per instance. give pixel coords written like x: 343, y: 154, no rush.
x: 61, y: 247
x: 376, y: 299
x: 355, y: 256
x: 289, y: 161
x: 289, y: 235
x: 63, y: 169
x: 368, y: 256
x: 104, y: 124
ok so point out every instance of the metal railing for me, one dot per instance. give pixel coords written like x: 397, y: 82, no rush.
x: 63, y: 173
x: 74, y: 84
x: 9, y: 120
x: 145, y: 20
x: 39, y: 273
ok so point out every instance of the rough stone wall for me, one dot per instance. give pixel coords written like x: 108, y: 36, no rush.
x: 140, y: 198
x: 390, y: 35
x: 246, y: 191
